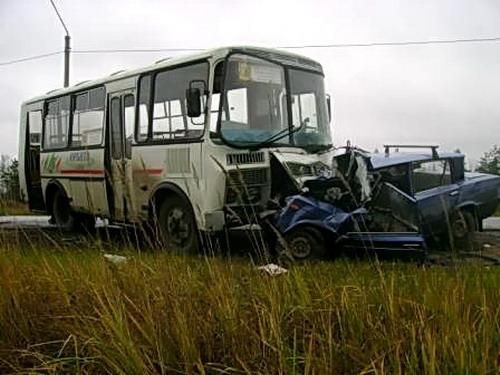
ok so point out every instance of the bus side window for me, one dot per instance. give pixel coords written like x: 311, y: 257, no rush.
x: 214, y: 112
x: 35, y: 127
x: 129, y: 118
x: 170, y: 120
x: 88, y: 118
x: 57, y: 123
x: 144, y: 99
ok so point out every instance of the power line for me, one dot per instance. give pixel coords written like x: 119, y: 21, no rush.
x: 404, y: 43
x: 338, y: 45
x: 138, y: 50
x: 36, y: 57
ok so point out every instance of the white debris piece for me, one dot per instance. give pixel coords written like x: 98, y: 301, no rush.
x: 273, y: 269
x: 486, y: 245
x: 362, y: 176
x: 117, y: 260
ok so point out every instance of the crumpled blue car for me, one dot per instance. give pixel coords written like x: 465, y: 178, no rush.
x: 311, y: 228
x: 388, y: 202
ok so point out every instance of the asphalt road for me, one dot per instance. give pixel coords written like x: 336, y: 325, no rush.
x: 36, y: 228
x: 491, y: 223
x: 32, y: 222
x: 42, y: 222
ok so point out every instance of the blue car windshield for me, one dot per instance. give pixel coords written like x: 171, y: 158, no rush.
x: 255, y: 105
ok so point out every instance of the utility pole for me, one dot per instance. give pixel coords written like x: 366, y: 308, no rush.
x: 67, y: 46
x: 67, y: 49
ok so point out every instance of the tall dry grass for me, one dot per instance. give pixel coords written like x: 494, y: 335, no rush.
x: 66, y: 310
x: 12, y: 207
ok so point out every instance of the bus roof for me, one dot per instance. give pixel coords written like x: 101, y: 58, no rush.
x: 281, y: 56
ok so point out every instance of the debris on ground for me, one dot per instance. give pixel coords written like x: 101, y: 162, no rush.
x: 273, y: 269
x: 117, y: 260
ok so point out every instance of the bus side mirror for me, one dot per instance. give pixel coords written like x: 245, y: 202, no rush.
x: 329, y: 107
x: 193, y: 99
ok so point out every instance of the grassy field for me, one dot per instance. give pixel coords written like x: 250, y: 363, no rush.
x: 13, y: 208
x: 67, y: 310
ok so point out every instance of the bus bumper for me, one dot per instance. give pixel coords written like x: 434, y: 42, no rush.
x: 214, y: 221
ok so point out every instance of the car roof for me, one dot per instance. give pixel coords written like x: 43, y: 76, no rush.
x: 382, y: 160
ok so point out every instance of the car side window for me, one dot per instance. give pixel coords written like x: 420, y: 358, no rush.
x: 398, y: 176
x: 431, y: 174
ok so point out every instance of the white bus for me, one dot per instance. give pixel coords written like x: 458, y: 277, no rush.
x: 194, y: 142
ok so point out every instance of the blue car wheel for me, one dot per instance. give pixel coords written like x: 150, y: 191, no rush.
x: 304, y: 243
x: 463, y: 227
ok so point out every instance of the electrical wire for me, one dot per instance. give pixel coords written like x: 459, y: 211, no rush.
x: 138, y: 50
x: 404, y: 43
x: 36, y: 57
x: 338, y: 45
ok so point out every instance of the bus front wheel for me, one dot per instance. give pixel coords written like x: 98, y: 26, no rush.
x: 177, y: 226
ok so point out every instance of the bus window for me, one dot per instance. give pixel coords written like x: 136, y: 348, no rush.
x: 35, y: 127
x: 88, y: 118
x: 116, y: 129
x: 304, y: 110
x: 129, y: 118
x: 237, y: 102
x: 170, y: 119
x: 57, y: 123
x: 214, y: 111
x: 144, y: 98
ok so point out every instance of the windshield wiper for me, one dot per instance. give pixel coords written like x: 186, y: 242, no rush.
x: 279, y: 135
x: 320, y: 149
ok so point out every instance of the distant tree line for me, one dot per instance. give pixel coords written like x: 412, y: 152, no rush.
x: 490, y: 161
x: 9, y: 178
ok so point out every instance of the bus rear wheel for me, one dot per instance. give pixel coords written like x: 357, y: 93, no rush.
x: 177, y: 226
x: 61, y: 210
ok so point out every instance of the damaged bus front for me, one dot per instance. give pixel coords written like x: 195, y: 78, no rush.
x: 271, y: 116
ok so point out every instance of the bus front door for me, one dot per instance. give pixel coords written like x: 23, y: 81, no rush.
x: 120, y: 130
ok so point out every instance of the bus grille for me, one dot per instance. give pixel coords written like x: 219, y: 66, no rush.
x: 247, y: 158
x: 247, y: 177
x: 178, y: 161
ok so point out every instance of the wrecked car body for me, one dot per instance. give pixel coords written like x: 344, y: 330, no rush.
x: 450, y: 203
x: 312, y: 228
x: 394, y: 201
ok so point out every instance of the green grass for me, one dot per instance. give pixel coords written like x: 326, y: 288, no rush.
x: 70, y: 311
x: 8, y: 207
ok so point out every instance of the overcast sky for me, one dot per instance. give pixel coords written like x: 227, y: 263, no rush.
x: 444, y: 94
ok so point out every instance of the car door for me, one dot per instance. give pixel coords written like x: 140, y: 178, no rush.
x: 120, y: 176
x: 436, y: 194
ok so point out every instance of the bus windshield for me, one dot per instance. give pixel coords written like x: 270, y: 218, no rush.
x: 256, y: 107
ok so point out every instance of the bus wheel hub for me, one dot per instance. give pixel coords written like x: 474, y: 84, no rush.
x: 178, y: 227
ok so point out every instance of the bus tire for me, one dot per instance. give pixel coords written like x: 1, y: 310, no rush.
x: 177, y: 226
x: 85, y: 223
x: 61, y: 210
